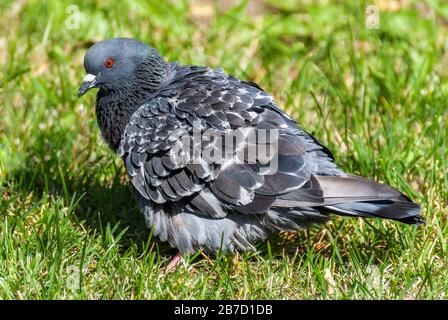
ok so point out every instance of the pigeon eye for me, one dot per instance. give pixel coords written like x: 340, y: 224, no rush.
x: 109, y: 63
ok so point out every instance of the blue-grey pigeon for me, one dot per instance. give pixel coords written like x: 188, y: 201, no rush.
x: 148, y: 110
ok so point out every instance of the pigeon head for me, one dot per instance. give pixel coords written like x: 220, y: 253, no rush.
x: 115, y: 64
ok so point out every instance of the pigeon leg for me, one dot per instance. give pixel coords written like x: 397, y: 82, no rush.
x: 174, y: 262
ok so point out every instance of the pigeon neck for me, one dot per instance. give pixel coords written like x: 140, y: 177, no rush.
x: 114, y: 108
x: 149, y: 75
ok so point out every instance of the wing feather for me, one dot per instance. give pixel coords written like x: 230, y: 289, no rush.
x: 158, y: 140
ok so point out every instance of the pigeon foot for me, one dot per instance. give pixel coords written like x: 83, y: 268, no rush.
x: 174, y: 262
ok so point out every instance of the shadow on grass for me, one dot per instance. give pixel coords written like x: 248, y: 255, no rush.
x: 100, y: 202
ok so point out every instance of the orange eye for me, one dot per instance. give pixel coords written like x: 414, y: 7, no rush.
x: 109, y: 63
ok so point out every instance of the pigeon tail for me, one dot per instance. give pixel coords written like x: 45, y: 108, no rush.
x: 357, y: 196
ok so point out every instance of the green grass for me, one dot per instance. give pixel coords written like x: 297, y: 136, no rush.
x: 377, y: 98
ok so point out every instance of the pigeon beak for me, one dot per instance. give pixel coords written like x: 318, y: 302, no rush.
x: 88, y: 83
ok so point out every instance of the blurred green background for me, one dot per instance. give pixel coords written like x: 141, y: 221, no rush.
x: 69, y: 227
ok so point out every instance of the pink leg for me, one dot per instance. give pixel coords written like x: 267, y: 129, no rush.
x: 174, y: 262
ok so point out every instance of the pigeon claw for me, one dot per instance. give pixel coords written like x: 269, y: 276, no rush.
x: 174, y: 262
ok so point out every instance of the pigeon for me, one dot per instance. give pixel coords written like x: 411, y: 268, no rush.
x: 170, y: 124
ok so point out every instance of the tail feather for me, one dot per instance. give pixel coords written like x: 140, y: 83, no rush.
x: 356, y: 196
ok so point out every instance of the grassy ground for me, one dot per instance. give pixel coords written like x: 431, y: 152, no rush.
x: 69, y: 227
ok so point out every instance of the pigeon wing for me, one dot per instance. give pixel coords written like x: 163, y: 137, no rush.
x: 158, y: 148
